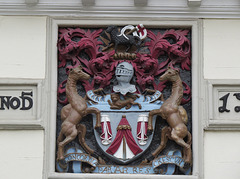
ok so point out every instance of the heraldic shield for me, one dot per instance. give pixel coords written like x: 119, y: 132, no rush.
x: 112, y: 116
x: 124, y: 131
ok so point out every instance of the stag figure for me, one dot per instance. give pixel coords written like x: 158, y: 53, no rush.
x: 73, y: 113
x: 175, y: 115
x: 127, y: 40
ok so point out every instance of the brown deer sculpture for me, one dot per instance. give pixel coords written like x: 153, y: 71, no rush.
x: 175, y: 115
x: 72, y: 113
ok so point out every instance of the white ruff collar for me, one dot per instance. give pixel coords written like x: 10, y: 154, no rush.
x: 124, y: 89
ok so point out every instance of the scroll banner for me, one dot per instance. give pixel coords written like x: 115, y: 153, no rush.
x: 163, y: 165
x: 101, y: 99
x: 77, y: 157
x: 154, y: 97
x: 166, y: 164
x: 96, y: 98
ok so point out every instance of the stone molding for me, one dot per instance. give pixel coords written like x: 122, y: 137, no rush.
x: 197, y: 88
x: 15, y: 119
x: 182, y: 9
x: 227, y: 120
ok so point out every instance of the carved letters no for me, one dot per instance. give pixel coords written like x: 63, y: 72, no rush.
x: 22, y: 102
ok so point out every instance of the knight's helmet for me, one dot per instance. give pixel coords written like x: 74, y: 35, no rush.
x: 124, y: 72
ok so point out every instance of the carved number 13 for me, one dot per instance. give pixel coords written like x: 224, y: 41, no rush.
x: 223, y: 108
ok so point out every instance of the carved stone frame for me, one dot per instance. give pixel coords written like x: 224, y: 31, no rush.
x: 213, y: 120
x: 197, y: 89
x: 36, y: 121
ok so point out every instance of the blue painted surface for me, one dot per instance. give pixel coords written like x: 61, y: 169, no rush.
x: 132, y: 118
x: 117, y: 169
x: 163, y: 165
x: 147, y: 103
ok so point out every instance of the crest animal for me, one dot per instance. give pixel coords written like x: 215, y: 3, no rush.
x: 72, y: 114
x: 121, y: 40
x: 174, y: 114
x: 118, y: 103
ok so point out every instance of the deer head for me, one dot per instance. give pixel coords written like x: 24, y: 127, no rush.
x: 78, y: 74
x: 170, y: 74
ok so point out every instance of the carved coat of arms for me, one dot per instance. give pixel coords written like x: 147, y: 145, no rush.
x: 124, y: 100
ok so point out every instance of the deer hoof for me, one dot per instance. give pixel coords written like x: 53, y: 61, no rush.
x: 62, y: 163
x: 59, y: 156
x: 186, y: 165
x: 145, y: 162
x: 149, y: 132
x: 98, y: 129
x: 88, y: 170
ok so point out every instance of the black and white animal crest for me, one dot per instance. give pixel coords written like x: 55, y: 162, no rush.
x: 121, y: 40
